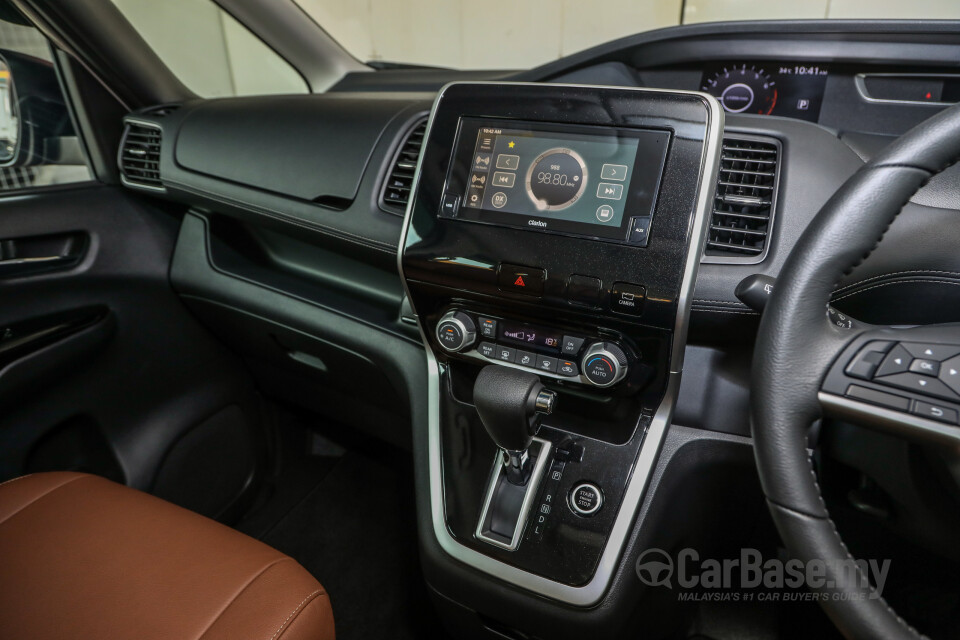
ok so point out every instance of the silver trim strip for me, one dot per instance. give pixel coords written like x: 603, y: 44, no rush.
x: 860, y: 82
x: 898, y: 423
x: 592, y: 592
x: 533, y: 485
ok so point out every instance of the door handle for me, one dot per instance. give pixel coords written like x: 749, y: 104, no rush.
x: 37, y: 254
x: 22, y: 264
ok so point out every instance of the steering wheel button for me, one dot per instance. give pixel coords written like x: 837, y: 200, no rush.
x: 950, y: 374
x: 919, y: 384
x: 897, y: 361
x: 935, y: 412
x: 938, y: 352
x: 865, y: 364
x: 925, y: 367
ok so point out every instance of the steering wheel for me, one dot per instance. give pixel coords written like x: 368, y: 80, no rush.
x: 802, y: 366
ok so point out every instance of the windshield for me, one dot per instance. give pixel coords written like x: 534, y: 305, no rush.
x: 519, y: 34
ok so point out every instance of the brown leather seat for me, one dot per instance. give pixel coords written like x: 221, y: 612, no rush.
x: 82, y: 557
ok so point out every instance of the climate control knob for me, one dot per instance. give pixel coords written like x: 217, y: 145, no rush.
x: 604, y: 364
x: 456, y: 331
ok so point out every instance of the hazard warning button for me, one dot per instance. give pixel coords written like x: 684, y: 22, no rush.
x: 513, y: 278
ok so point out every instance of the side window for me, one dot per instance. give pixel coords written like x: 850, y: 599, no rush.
x: 38, y: 145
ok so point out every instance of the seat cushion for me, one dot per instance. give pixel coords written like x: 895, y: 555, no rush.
x: 82, y: 557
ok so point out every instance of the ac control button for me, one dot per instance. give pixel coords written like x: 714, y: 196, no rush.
x: 604, y: 364
x: 488, y: 327
x: 456, y: 331
x: 571, y: 345
x: 568, y: 368
x: 487, y: 349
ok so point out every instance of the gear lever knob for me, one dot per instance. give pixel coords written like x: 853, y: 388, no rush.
x: 510, y: 403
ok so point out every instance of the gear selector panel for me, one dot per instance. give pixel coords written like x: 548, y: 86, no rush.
x: 553, y: 235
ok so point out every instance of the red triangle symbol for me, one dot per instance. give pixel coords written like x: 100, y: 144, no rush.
x: 520, y: 282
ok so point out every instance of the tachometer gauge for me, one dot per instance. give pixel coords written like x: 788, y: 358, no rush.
x: 743, y: 89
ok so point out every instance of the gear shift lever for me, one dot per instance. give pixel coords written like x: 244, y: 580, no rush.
x: 510, y: 403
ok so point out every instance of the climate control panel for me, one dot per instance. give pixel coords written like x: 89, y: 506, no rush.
x: 555, y: 353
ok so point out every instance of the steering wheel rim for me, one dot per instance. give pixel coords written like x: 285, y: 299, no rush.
x: 797, y: 344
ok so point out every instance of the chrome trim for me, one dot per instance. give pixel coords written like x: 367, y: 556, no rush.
x: 592, y: 592
x: 545, y: 401
x: 860, y: 81
x: 898, y: 423
x: 533, y: 485
x: 126, y: 129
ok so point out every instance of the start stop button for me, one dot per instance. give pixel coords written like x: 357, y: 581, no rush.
x: 586, y: 499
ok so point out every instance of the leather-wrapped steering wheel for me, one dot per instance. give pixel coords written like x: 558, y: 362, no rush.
x: 801, y: 366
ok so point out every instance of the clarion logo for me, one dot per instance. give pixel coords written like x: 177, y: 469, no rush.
x: 536, y: 223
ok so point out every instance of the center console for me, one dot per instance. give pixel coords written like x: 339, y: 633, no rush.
x: 549, y: 251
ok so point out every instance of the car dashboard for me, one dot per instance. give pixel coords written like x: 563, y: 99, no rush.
x: 304, y: 211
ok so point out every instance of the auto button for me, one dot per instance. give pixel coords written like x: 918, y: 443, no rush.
x: 604, y: 364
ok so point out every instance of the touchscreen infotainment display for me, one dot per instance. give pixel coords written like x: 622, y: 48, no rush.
x: 592, y: 181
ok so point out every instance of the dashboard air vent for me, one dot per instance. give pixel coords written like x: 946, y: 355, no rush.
x: 745, y: 198
x: 140, y: 156
x: 396, y: 191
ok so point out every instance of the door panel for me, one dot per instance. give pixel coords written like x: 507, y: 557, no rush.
x: 106, y: 371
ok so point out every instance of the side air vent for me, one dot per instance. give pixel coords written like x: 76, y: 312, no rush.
x: 396, y: 191
x: 140, y: 156
x: 745, y: 200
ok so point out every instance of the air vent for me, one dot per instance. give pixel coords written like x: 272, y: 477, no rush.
x: 745, y: 198
x: 396, y: 191
x: 140, y: 156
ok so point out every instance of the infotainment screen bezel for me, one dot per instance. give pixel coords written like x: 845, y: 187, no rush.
x: 641, y: 192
